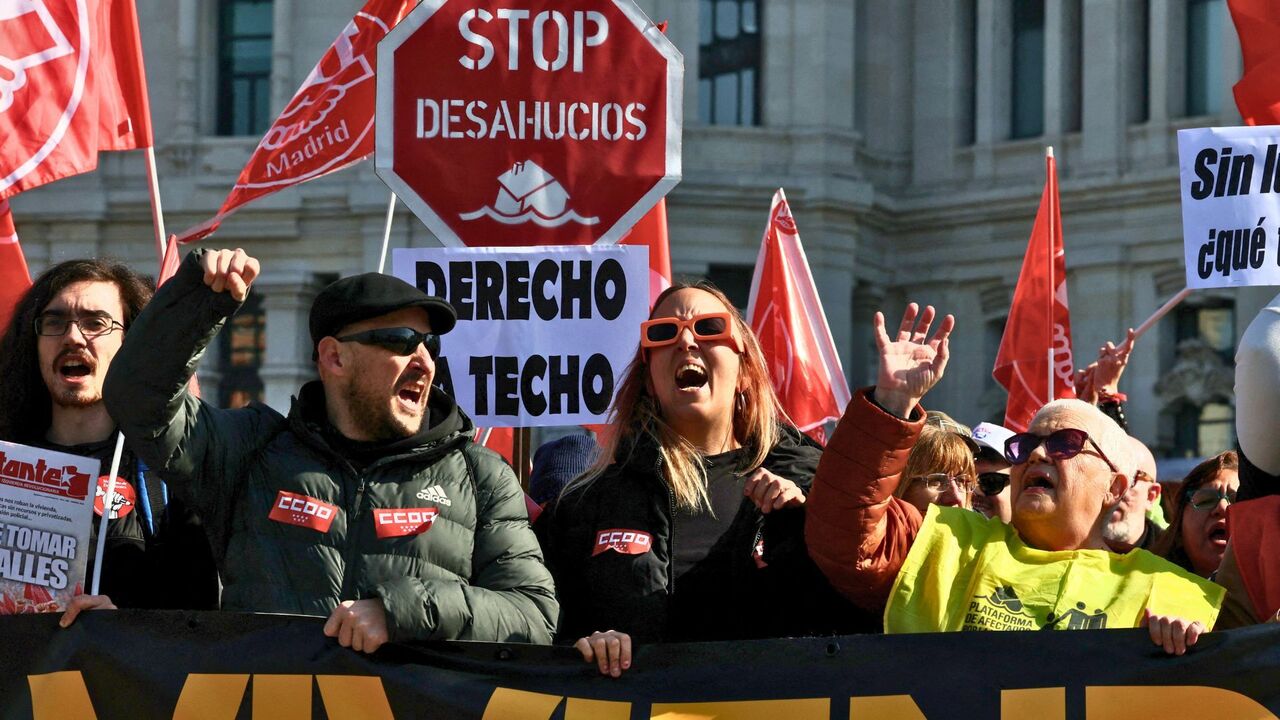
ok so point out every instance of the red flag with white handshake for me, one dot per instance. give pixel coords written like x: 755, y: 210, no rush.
x: 1039, y: 324
x: 328, y: 124
x: 787, y: 317
x: 15, y: 278
x: 71, y: 85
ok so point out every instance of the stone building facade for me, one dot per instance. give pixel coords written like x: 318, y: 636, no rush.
x: 909, y: 135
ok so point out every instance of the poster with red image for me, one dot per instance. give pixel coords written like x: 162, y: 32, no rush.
x: 46, y: 506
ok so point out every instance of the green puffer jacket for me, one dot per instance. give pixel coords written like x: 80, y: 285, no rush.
x: 476, y: 573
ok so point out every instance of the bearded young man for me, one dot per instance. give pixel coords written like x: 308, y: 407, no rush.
x: 369, y: 504
x: 65, y: 332
x: 955, y: 570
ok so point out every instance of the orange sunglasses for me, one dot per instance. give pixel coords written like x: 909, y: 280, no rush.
x: 709, y: 327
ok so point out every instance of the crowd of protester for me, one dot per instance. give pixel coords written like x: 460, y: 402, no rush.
x: 702, y: 515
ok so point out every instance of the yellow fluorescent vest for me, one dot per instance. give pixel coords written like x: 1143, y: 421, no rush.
x: 965, y: 572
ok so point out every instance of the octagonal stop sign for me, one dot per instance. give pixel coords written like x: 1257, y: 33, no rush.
x: 517, y: 122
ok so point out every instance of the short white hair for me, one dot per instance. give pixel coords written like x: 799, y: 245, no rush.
x: 1101, y: 428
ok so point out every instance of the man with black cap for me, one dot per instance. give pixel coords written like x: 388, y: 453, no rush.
x: 369, y: 504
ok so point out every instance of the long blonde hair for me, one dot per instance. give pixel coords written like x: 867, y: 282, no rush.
x: 635, y: 414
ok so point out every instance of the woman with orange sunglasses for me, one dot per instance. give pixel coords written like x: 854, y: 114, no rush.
x: 690, y: 525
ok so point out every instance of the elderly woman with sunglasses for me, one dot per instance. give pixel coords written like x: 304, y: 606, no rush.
x: 955, y: 570
x: 689, y: 527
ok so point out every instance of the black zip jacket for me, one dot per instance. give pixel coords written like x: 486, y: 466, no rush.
x: 609, y: 547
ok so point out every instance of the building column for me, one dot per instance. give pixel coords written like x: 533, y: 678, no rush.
x: 994, y: 78
x: 1102, y: 117
x: 1061, y: 66
x: 283, y: 84
x: 287, y: 292
x: 186, y: 125
x: 936, y: 96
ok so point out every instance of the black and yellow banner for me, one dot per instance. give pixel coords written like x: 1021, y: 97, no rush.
x: 221, y: 666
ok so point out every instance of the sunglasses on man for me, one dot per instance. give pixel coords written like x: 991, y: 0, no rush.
x: 992, y: 483
x: 707, y: 327
x: 1058, y: 445
x: 401, y: 340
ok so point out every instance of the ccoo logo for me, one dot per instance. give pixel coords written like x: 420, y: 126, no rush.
x: 44, y: 65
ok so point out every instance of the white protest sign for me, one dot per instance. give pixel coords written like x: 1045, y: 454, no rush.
x: 544, y: 333
x: 1230, y: 205
x: 46, y: 502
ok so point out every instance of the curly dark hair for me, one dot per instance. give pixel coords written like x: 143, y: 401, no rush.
x: 25, y: 404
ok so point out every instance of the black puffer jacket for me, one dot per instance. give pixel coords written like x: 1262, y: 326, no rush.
x: 295, y: 526
x: 632, y: 593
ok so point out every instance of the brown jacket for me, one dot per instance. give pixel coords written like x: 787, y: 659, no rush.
x: 858, y: 533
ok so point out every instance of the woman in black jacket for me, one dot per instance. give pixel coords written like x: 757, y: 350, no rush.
x: 690, y: 525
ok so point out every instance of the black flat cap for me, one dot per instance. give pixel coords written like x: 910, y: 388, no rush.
x: 361, y: 297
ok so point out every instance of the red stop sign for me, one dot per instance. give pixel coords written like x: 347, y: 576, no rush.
x: 552, y: 122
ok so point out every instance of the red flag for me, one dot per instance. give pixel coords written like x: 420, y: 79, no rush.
x: 328, y: 124
x: 652, y: 231
x: 72, y: 85
x: 169, y: 265
x: 1258, y: 92
x: 1038, y: 319
x: 787, y: 317
x: 14, y: 276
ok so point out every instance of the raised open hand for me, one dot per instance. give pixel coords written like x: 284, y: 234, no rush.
x: 912, y: 363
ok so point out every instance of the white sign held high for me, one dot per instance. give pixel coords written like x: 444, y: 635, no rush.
x: 1230, y: 205
x: 544, y: 333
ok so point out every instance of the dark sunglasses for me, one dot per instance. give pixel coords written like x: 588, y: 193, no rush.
x: 992, y: 483
x: 1058, y: 445
x: 707, y: 327
x: 401, y: 340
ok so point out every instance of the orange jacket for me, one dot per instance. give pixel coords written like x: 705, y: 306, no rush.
x: 858, y: 533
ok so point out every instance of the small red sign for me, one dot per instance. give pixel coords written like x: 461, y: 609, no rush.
x: 123, y: 500
x: 399, y: 522
x: 627, y: 542
x: 308, y: 512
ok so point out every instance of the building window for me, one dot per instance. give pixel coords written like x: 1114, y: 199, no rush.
x: 1205, y: 22
x: 1199, y: 387
x: 243, y: 347
x: 1027, y: 119
x: 735, y: 281
x: 729, y: 62
x: 244, y: 66
x: 1138, y: 109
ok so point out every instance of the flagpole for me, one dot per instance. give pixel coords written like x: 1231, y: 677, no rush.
x: 157, y: 212
x: 1170, y: 304
x: 386, y: 233
x: 106, y: 513
x: 1053, y: 213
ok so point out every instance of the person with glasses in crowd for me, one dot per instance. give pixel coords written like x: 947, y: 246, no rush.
x: 61, y: 340
x: 991, y: 497
x: 689, y: 526
x: 1130, y: 524
x: 1197, y: 537
x: 939, y: 470
x: 369, y: 504
x: 955, y: 570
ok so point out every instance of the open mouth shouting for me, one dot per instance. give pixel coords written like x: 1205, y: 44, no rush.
x: 1218, y: 534
x: 1036, y: 481
x: 690, y: 377
x: 412, y: 390
x: 74, y: 367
